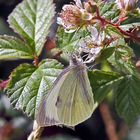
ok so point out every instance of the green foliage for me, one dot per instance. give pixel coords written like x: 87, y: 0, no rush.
x: 28, y: 84
x: 68, y: 42
x: 103, y: 83
x: 127, y: 27
x: 134, y: 133
x: 32, y: 21
x: 112, y: 31
x: 109, y: 11
x: 105, y: 53
x: 121, y: 60
x: 133, y: 17
x: 13, y: 48
x: 128, y: 97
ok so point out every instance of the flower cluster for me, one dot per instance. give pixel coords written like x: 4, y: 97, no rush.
x: 92, y: 45
x: 74, y: 16
x: 87, y: 14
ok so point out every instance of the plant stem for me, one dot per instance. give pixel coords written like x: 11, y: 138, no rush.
x: 36, y: 61
x: 116, y: 25
x: 3, y: 84
x: 36, y: 133
x: 109, y: 123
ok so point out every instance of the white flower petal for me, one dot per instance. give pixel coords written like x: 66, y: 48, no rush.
x: 78, y: 3
x: 60, y: 21
x: 94, y: 32
x: 91, y: 57
x: 67, y: 6
x: 97, y: 37
x: 70, y: 30
x: 96, y: 50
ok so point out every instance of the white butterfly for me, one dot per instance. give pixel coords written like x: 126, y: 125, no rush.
x: 70, y: 101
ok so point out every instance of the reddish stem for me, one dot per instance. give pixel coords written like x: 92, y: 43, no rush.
x: 105, y: 22
x: 3, y: 84
x: 130, y: 35
x: 110, y: 124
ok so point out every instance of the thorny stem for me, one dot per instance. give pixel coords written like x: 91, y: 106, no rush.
x: 116, y: 25
x: 130, y: 35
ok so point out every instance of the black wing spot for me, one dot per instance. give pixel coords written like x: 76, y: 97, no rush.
x: 58, y: 102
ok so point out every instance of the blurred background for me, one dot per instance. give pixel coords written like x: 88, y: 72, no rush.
x: 14, y: 125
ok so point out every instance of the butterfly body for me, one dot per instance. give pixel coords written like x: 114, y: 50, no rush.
x: 70, y: 101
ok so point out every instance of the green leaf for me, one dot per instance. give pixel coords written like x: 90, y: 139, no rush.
x: 68, y: 42
x: 126, y: 27
x: 132, y: 17
x: 28, y: 84
x: 105, y: 53
x: 134, y: 133
x: 106, y: 7
x: 32, y: 19
x: 102, y: 83
x: 14, y: 48
x: 127, y: 98
x: 112, y: 31
x: 121, y: 60
x: 109, y: 11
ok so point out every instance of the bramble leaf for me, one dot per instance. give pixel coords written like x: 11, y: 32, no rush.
x: 105, y: 53
x: 126, y: 27
x: 28, y: 84
x: 127, y: 98
x: 109, y: 11
x: 14, y: 48
x: 32, y: 19
x: 121, y: 60
x: 68, y: 42
x: 102, y: 83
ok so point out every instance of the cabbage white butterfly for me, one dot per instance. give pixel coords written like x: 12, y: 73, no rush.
x: 70, y: 101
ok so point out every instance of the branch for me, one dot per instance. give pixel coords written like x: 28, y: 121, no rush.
x: 116, y: 25
x: 109, y: 123
x: 3, y: 84
x: 36, y: 133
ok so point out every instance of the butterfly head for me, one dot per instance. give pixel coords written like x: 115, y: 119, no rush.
x: 76, y: 59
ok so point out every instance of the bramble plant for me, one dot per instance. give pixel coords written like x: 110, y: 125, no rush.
x: 97, y: 31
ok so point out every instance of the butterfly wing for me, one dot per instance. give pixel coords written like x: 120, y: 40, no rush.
x: 70, y: 101
x: 47, y: 112
x: 75, y: 102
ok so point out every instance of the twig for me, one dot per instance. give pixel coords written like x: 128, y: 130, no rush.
x: 36, y: 133
x: 109, y: 123
x: 123, y: 130
x: 3, y: 84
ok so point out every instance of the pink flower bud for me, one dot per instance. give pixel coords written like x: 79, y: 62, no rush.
x: 126, y: 5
